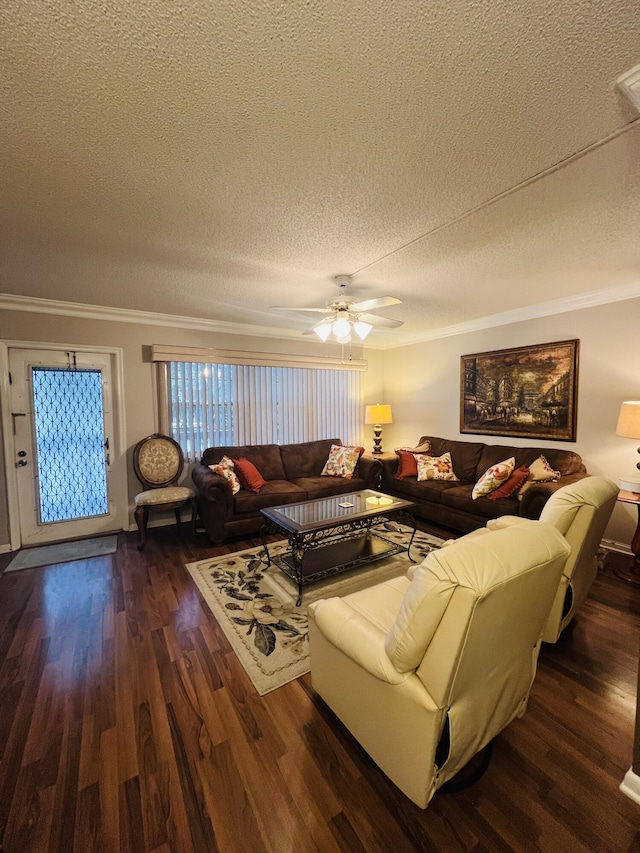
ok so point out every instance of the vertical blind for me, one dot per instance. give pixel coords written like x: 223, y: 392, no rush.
x: 209, y: 405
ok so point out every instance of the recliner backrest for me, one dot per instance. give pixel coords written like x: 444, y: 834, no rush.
x: 581, y: 512
x: 430, y: 628
x: 473, y: 616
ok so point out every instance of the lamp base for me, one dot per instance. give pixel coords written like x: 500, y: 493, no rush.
x: 377, y: 439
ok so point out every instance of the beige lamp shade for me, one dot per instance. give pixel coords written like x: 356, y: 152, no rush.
x: 378, y: 414
x: 628, y: 420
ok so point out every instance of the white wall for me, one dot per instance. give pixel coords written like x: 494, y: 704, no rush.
x: 422, y: 383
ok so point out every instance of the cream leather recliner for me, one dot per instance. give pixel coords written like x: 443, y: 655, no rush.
x: 581, y: 512
x: 425, y: 672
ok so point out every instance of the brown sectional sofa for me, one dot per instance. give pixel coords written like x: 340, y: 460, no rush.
x: 448, y: 503
x: 292, y: 472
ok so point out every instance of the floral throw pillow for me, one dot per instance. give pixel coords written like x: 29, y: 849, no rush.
x: 435, y: 467
x: 342, y: 461
x: 225, y: 469
x: 493, y: 477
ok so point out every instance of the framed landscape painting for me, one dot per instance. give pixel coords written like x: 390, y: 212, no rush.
x: 525, y: 392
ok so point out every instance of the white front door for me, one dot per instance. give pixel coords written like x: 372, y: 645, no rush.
x: 62, y: 425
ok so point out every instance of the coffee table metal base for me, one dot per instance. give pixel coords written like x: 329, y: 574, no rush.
x: 318, y: 554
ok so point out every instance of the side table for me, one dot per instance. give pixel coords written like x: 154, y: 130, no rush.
x: 386, y: 454
x: 631, y: 575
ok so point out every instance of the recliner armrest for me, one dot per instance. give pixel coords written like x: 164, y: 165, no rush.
x: 536, y: 496
x: 356, y: 637
x: 505, y: 521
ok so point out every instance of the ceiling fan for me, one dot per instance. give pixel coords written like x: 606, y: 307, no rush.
x: 343, y: 316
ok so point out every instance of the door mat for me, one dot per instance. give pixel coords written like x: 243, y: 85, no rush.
x: 255, y: 604
x: 63, y: 552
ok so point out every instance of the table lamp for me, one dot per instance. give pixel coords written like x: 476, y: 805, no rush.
x: 629, y: 427
x: 378, y: 415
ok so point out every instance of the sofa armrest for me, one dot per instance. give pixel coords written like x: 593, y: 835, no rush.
x: 370, y: 471
x: 538, y: 494
x: 212, y: 487
x: 388, y: 470
x: 215, y: 501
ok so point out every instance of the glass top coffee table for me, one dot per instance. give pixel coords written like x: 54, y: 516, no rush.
x: 330, y: 535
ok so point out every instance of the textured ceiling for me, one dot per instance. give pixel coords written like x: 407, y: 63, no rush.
x: 213, y: 160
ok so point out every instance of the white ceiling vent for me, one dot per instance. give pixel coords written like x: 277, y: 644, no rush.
x: 629, y: 84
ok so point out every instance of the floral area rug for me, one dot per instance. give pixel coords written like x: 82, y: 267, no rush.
x: 255, y: 604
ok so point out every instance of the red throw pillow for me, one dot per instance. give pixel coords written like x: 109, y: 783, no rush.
x: 250, y: 478
x: 407, y: 463
x: 510, y: 486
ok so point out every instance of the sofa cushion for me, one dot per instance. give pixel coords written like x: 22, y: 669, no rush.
x: 459, y: 498
x: 322, y: 487
x: 426, y: 490
x: 306, y: 459
x: 274, y: 492
x: 266, y: 458
x: 250, y: 478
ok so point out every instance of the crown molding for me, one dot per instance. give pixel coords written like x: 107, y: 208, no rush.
x: 11, y: 302
x: 531, y: 312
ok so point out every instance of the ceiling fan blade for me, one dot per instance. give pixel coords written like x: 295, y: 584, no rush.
x: 380, y: 322
x: 372, y: 304
x: 283, y: 308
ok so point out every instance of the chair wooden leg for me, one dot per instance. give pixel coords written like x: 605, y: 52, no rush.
x: 194, y: 515
x: 178, y: 521
x: 141, y: 515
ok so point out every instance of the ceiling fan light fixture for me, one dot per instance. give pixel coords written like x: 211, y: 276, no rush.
x: 362, y: 329
x: 323, y: 331
x: 341, y: 327
x: 343, y: 339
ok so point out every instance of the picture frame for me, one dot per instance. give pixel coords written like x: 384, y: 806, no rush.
x: 523, y: 392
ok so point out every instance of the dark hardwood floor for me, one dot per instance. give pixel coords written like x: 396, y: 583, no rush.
x: 127, y: 724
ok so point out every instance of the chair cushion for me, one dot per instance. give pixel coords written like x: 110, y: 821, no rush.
x: 164, y: 496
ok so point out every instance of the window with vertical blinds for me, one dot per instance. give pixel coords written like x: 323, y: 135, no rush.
x: 209, y: 405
